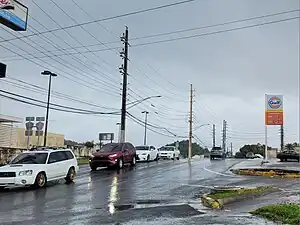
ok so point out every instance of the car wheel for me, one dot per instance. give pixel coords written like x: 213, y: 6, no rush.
x: 173, y: 157
x: 178, y: 158
x: 40, y: 180
x: 93, y: 168
x: 156, y: 158
x: 120, y: 163
x: 71, y: 176
x: 133, y: 162
x: 148, y: 158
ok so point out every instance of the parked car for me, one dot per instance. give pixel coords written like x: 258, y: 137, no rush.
x: 169, y: 152
x: 288, y: 155
x: 146, y: 153
x: 217, y: 153
x: 113, y: 155
x: 37, y: 167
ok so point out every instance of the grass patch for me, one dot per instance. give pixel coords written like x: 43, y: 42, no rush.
x: 243, y: 191
x: 285, y: 213
x: 83, y: 161
x: 268, y: 173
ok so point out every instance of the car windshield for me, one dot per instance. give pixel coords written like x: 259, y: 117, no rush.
x: 30, y: 158
x: 142, y: 148
x: 167, y: 149
x: 111, y: 147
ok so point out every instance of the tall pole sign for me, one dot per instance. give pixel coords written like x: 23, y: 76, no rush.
x: 273, y: 115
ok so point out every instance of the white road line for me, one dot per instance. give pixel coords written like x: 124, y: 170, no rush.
x: 222, y: 174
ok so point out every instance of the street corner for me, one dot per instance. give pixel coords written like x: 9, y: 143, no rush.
x: 267, y: 172
x: 219, y: 197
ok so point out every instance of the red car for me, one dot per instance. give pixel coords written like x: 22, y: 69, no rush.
x: 113, y: 155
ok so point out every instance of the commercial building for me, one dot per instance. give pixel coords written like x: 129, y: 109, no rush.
x: 12, y: 136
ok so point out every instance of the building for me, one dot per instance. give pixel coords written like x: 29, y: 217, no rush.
x: 11, y: 136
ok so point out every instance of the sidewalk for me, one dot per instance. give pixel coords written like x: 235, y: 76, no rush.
x: 273, y: 164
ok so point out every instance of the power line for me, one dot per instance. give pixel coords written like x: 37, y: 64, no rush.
x: 104, y: 19
x: 35, y: 88
x: 57, y: 105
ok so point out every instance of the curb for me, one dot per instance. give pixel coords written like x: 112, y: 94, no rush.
x: 220, y: 203
x: 265, y: 172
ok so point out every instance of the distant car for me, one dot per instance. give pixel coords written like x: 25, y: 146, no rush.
x: 217, y: 153
x: 169, y: 152
x: 113, y: 155
x: 146, y: 153
x: 37, y: 167
x: 288, y: 155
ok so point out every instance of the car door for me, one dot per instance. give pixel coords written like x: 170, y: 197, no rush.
x: 153, y: 152
x: 56, y: 165
x: 126, y: 153
x: 131, y: 151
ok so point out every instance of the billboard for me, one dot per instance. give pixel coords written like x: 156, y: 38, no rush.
x: 13, y: 14
x: 106, y: 136
x: 274, y: 110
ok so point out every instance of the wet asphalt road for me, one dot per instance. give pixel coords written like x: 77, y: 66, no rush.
x: 164, y: 192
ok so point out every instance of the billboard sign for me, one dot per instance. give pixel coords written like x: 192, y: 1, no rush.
x: 274, y: 110
x: 13, y: 14
x: 106, y: 136
x: 2, y: 70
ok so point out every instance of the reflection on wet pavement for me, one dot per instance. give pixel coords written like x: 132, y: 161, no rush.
x: 166, y: 192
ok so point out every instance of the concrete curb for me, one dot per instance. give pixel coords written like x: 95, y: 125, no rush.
x: 220, y: 203
x: 267, y: 172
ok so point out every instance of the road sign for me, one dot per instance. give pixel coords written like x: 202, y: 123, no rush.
x: 39, y: 133
x: 39, y: 126
x: 29, y: 118
x: 274, y: 110
x: 106, y: 136
x: 29, y: 125
x: 28, y: 133
x: 40, y: 118
x: 13, y: 14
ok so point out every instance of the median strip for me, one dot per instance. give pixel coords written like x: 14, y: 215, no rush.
x: 268, y: 172
x: 288, y: 213
x: 219, y: 197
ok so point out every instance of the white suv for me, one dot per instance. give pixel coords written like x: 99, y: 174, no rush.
x: 36, y: 167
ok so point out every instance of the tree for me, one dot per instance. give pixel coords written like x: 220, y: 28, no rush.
x: 184, y: 147
x: 254, y: 148
x: 89, y: 144
x: 70, y: 142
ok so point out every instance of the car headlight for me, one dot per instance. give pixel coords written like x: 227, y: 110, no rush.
x: 92, y: 156
x: 25, y: 173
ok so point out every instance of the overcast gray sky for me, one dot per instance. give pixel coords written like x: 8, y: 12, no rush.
x: 230, y: 71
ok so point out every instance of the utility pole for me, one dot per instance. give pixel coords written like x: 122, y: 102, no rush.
x: 191, y: 123
x: 224, y: 135
x: 123, y: 71
x: 119, y: 132
x: 214, y: 135
x: 231, y: 149
x: 145, y: 134
x: 281, y: 138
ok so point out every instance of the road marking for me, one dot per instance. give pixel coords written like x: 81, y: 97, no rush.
x: 222, y: 174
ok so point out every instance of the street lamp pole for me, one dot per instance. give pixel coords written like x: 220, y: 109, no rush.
x: 119, y: 132
x: 50, y: 74
x: 145, y: 135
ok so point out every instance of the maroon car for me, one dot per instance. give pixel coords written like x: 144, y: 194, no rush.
x: 113, y: 155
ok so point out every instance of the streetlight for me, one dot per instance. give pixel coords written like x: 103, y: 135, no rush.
x: 145, y: 135
x: 202, y: 125
x: 50, y: 74
x: 134, y: 103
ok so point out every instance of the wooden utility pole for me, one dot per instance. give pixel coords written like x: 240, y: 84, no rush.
x: 123, y: 70
x: 191, y: 123
x: 214, y: 135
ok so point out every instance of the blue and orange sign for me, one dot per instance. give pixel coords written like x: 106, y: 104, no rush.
x: 274, y: 110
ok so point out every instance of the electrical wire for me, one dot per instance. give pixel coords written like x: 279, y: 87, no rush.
x: 105, y: 19
x: 58, y: 105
